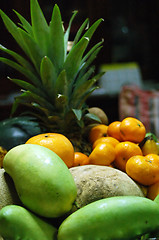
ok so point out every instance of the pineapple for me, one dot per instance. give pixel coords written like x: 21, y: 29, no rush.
x: 56, y: 81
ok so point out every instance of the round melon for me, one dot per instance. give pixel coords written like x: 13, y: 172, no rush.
x: 95, y: 182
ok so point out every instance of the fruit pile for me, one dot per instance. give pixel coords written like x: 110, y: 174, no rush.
x: 126, y: 146
x: 41, y: 171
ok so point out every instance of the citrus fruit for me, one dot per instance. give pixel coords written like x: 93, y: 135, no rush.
x: 144, y: 169
x: 131, y: 129
x: 123, y: 151
x: 102, y: 154
x: 97, y: 132
x: 110, y: 140
x: 80, y: 159
x: 114, y: 130
x: 56, y: 142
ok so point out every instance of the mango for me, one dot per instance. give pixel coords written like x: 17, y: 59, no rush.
x: 16, y: 222
x: 42, y: 180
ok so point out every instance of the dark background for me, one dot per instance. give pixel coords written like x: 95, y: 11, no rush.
x: 130, y: 31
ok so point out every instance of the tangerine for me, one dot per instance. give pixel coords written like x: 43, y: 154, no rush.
x: 102, y: 154
x: 132, y: 129
x: 153, y: 191
x: 110, y: 140
x: 123, y: 151
x: 80, y: 159
x: 114, y: 130
x: 97, y: 132
x: 56, y: 142
x: 144, y: 169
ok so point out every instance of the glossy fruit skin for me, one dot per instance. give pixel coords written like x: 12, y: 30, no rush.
x: 56, y: 142
x: 42, y: 180
x: 132, y: 129
x: 124, y: 217
x: 16, y: 222
x: 125, y: 150
x: 144, y: 169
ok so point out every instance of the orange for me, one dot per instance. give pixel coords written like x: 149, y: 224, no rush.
x: 144, y: 169
x: 110, y: 140
x: 102, y: 154
x: 56, y: 142
x: 123, y: 151
x: 80, y: 159
x: 97, y: 132
x: 153, y: 191
x: 131, y: 129
x: 114, y: 130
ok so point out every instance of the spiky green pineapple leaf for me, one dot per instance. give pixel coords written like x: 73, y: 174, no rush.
x: 84, y: 78
x: 85, y: 25
x: 85, y: 96
x: 61, y: 103
x: 40, y: 100
x: 57, y: 39
x: 61, y: 86
x: 79, y: 92
x: 48, y: 76
x: 22, y: 61
x: 73, y: 59
x: 87, y: 64
x: 89, y: 33
x: 35, y: 52
x: 66, y: 35
x: 21, y: 69
x: 39, y: 26
x: 13, y: 30
x: 22, y: 99
x: 27, y: 86
x: 24, y: 23
x: 92, y: 50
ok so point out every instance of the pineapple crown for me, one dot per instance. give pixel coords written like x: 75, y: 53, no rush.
x: 58, y: 82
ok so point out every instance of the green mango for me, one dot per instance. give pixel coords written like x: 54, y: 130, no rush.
x: 16, y: 222
x: 42, y: 180
x: 114, y: 218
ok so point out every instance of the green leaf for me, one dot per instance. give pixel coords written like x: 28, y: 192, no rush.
x: 61, y: 102
x: 81, y: 29
x: 40, y: 100
x: 25, y: 24
x: 96, y: 46
x: 22, y: 70
x: 67, y: 33
x: 61, y: 85
x: 79, y: 92
x: 39, y: 26
x: 27, y: 86
x: 92, y: 117
x: 82, y: 100
x: 86, y: 65
x: 78, y: 113
x: 48, y: 75
x: 92, y: 29
x: 57, y: 38
x: 73, y: 59
x: 13, y: 30
x: 84, y: 78
x: 35, y: 52
x: 18, y: 58
x: 22, y: 99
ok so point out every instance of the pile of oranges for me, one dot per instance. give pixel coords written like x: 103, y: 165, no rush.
x: 115, y: 145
